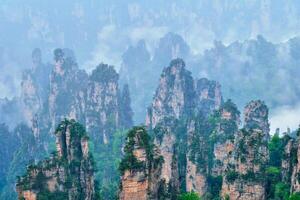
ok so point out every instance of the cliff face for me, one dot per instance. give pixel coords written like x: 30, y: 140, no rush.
x: 199, y: 138
x: 140, y: 167
x: 141, y: 72
x: 66, y: 175
x: 35, y: 88
x: 174, y: 99
x: 94, y: 100
x: 208, y: 96
x: 126, y: 113
x: 174, y: 95
x: 102, y: 113
x: 67, y: 89
x: 244, y: 179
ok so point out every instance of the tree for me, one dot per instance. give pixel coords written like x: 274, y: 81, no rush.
x: 189, y: 196
x: 295, y: 196
x: 125, y: 108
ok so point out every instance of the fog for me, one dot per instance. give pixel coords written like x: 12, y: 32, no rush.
x: 101, y: 31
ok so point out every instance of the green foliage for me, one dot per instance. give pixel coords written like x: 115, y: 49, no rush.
x: 273, y: 177
x: 47, y: 195
x: 189, y: 196
x: 136, y: 136
x: 215, y: 185
x: 282, y: 191
x: 231, y: 176
x: 104, y: 73
x: 249, y: 176
x: 275, y: 189
x: 108, y: 157
x: 276, y: 149
x: 295, y: 196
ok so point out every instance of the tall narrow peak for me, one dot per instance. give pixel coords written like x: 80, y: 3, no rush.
x: 171, y: 46
x: 140, y: 167
x: 174, y: 96
x: 138, y: 73
x: 210, y: 141
x: 67, y: 88
x: 244, y: 177
x: 126, y: 113
x: 173, y: 101
x: 256, y: 117
x: 68, y: 174
x: 208, y: 96
x: 102, y: 107
x: 35, y: 87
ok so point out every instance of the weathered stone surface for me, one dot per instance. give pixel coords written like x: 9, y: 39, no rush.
x: 141, y: 168
x: 250, y: 156
x: 67, y: 89
x: 208, y: 96
x: 174, y: 96
x: 256, y: 117
x: 67, y: 175
x: 242, y: 190
x: 102, y: 106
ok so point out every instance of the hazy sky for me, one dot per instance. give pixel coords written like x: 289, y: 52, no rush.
x: 101, y: 30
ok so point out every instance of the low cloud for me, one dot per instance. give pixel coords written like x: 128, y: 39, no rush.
x: 285, y: 117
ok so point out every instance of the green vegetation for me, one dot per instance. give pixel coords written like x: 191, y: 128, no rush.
x: 136, y: 136
x: 282, y: 191
x: 231, y: 176
x: 104, y: 73
x: 295, y: 196
x: 189, y: 196
x: 72, y: 163
x: 107, y: 160
x: 215, y: 186
x: 275, y: 188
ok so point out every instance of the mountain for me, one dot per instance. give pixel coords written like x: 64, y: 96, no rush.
x: 203, y: 148
x: 67, y: 174
x: 58, y: 91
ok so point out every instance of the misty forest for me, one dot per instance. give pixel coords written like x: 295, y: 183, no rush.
x: 150, y: 100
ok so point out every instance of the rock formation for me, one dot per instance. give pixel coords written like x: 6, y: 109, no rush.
x: 67, y: 89
x: 126, y: 112
x: 208, y: 96
x: 173, y: 100
x: 244, y: 179
x: 140, y: 168
x: 35, y: 88
x: 102, y: 106
x: 68, y: 174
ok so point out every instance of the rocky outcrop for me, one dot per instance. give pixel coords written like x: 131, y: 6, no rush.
x: 141, y: 71
x: 67, y: 89
x: 256, y: 117
x: 208, y: 96
x: 210, y: 146
x: 295, y: 178
x: 174, y: 96
x: 126, y: 112
x: 174, y: 99
x: 288, y: 155
x: 179, y: 117
x: 93, y: 100
x: 138, y: 73
x: 225, y: 131
x: 140, y: 167
x: 171, y: 46
x: 102, y: 107
x: 66, y: 175
x: 244, y: 179
x: 35, y: 88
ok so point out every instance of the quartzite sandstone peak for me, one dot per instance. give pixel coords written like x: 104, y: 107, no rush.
x: 68, y: 174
